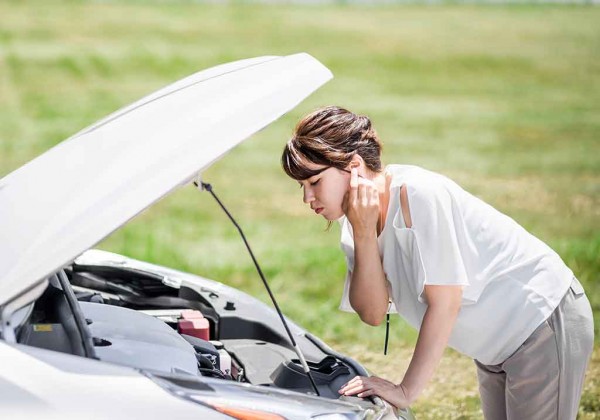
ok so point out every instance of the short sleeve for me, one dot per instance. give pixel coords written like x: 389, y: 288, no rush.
x: 347, y: 245
x: 345, y: 302
x: 436, y: 222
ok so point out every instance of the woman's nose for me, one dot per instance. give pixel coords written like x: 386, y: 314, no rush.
x: 308, y: 196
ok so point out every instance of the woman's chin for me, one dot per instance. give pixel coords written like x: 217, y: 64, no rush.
x: 332, y: 217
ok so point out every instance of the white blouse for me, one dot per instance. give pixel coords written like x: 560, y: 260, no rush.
x: 511, y: 280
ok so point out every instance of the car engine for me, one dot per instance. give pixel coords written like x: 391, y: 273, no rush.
x: 137, y: 320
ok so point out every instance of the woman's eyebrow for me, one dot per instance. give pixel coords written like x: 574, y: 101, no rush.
x: 318, y: 171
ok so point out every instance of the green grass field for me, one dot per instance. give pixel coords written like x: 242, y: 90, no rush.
x: 504, y: 99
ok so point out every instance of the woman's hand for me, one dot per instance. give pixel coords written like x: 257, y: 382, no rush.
x: 361, y: 205
x: 363, y: 386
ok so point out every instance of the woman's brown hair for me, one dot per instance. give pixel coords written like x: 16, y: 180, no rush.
x: 330, y: 136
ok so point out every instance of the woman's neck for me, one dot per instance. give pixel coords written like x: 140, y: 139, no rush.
x: 382, y: 180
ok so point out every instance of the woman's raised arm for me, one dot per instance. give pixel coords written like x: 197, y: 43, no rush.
x: 368, y: 290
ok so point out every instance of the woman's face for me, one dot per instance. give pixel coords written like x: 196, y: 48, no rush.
x: 324, y: 192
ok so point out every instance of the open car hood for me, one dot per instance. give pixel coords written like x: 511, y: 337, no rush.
x: 74, y: 195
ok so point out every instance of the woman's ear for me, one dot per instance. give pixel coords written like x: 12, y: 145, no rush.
x: 356, y: 162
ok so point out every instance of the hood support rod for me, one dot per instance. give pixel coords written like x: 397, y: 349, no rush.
x: 305, y: 367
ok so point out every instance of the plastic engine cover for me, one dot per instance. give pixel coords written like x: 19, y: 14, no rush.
x: 138, y: 340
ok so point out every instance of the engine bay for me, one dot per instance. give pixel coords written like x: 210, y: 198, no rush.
x: 136, y: 319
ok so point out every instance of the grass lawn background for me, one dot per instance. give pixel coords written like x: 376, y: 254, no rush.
x: 505, y: 99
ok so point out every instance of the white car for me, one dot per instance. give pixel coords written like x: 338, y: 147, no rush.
x: 91, y: 334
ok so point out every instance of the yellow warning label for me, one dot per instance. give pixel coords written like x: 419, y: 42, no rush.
x: 42, y: 327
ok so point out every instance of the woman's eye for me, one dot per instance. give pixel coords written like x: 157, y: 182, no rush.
x: 315, y: 183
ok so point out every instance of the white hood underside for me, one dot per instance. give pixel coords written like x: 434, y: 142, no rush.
x: 71, y: 197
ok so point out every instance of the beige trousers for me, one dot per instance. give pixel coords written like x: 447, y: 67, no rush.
x: 543, y: 379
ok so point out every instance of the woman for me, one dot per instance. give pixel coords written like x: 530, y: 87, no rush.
x: 456, y: 269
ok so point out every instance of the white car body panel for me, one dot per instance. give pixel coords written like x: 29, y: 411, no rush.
x: 33, y: 388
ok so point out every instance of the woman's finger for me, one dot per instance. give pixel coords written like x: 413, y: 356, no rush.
x: 366, y: 393
x: 353, y: 192
x: 363, y: 194
x: 352, y: 382
x: 355, y: 389
x: 356, y: 385
x: 349, y: 383
x: 375, y: 196
x: 354, y: 178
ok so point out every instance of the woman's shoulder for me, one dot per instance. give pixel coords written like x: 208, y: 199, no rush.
x: 416, y: 177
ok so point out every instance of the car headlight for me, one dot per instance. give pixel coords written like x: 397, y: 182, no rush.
x: 246, y: 413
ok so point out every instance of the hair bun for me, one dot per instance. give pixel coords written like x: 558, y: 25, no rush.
x: 367, y: 132
x: 365, y: 122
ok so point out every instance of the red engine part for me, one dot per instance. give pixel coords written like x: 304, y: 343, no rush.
x: 193, y: 323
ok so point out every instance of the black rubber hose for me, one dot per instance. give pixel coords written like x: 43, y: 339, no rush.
x: 84, y: 332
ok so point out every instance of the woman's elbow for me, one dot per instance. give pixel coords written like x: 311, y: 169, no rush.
x: 371, y: 311
x: 371, y: 318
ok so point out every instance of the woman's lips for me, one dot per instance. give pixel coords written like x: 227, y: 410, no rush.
x: 318, y: 210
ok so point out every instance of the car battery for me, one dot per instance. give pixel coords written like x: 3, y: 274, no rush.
x: 192, y: 322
